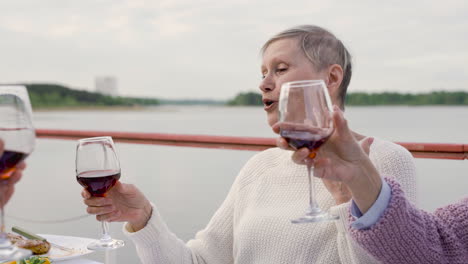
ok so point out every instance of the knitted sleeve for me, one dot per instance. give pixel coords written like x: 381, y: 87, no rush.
x: 157, y: 244
x: 213, y: 245
x: 406, y: 234
x: 389, y: 159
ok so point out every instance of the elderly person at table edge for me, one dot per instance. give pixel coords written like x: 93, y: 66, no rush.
x: 382, y: 220
x: 253, y: 224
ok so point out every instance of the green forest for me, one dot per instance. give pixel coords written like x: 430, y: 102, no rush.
x: 249, y: 98
x: 54, y: 95
x: 385, y: 98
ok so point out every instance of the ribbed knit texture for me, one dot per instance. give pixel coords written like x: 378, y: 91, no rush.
x: 405, y: 234
x: 253, y: 223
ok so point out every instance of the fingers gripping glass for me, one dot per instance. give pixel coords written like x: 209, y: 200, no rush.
x: 306, y: 121
x: 98, y: 170
x: 18, y: 135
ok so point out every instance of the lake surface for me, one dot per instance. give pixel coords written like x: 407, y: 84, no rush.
x: 188, y: 184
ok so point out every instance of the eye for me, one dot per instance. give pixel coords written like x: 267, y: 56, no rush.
x: 280, y: 70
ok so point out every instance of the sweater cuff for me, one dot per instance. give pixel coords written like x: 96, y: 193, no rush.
x: 342, y: 211
x: 147, y: 235
x: 374, y: 213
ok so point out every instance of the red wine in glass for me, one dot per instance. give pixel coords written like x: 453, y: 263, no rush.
x: 303, y: 139
x: 98, y: 182
x: 8, y: 161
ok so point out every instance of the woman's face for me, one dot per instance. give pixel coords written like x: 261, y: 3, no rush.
x: 283, y: 61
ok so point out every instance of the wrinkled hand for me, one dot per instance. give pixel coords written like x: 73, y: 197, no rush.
x: 124, y: 202
x: 341, y: 158
x: 7, y: 187
x: 300, y: 156
x: 338, y: 161
x: 334, y: 182
x: 340, y: 192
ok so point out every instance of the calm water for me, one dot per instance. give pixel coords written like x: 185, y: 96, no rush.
x: 188, y: 184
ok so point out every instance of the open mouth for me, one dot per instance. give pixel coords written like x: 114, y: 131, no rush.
x: 268, y: 104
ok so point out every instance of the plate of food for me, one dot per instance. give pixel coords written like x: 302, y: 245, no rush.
x: 54, y: 247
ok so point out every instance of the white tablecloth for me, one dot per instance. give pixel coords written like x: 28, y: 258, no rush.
x: 78, y: 261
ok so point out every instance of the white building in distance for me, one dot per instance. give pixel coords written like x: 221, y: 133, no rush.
x: 106, y: 85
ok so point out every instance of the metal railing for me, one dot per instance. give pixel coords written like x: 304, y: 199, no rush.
x: 419, y: 150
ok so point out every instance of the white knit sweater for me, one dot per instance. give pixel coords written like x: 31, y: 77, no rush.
x: 253, y: 223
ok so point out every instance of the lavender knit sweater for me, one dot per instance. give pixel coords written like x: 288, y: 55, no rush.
x: 405, y: 234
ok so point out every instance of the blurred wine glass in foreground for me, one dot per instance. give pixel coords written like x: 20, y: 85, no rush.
x: 18, y: 135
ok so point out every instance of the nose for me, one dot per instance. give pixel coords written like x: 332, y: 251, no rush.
x: 267, y: 84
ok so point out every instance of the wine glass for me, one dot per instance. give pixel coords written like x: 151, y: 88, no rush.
x: 98, y: 170
x: 18, y: 135
x: 305, y: 111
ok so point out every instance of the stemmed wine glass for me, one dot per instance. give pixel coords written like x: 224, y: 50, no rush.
x: 18, y: 134
x: 305, y: 111
x: 98, y: 170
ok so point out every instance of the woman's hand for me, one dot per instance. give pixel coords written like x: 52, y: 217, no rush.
x: 340, y: 192
x: 124, y: 202
x: 334, y: 183
x: 300, y: 156
x: 342, y: 159
x: 7, y: 187
x: 342, y: 164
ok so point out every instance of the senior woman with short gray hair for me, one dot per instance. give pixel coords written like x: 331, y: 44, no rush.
x: 253, y: 223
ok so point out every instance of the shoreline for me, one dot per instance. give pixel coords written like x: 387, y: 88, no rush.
x: 117, y: 108
x: 161, y: 106
x: 92, y: 108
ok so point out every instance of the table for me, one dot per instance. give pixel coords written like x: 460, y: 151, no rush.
x: 78, y: 261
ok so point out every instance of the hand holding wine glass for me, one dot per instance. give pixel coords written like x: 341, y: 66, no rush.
x: 98, y: 170
x: 124, y: 202
x: 306, y: 122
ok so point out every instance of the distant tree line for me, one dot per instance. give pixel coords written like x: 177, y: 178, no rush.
x: 249, y: 98
x: 386, y: 98
x: 433, y: 98
x: 191, y: 102
x: 54, y: 95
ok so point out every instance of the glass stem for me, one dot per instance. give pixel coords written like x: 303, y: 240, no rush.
x: 313, y: 206
x: 3, y: 236
x: 5, y: 243
x: 105, y: 231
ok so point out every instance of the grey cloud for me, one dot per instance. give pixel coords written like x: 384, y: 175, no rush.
x: 212, y: 46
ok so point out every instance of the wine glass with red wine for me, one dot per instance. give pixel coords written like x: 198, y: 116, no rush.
x: 18, y: 135
x: 98, y: 170
x: 305, y: 111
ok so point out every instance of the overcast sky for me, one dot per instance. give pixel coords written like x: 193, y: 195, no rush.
x: 210, y: 48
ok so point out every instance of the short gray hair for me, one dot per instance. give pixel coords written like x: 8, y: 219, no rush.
x: 322, y: 48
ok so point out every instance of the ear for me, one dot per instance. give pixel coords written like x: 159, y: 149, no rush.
x: 334, y: 79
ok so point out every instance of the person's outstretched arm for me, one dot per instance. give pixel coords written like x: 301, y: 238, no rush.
x: 406, y: 234
x: 343, y: 156
x: 154, y: 241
